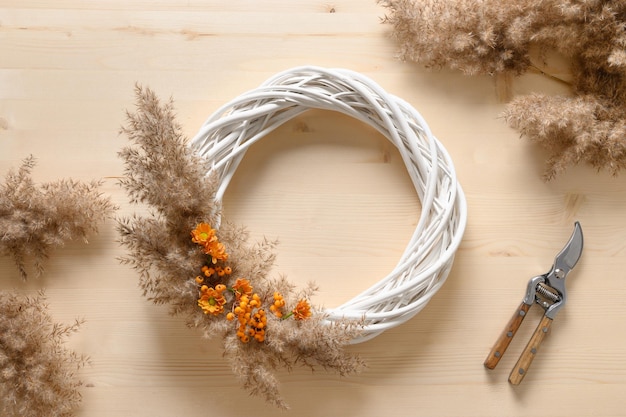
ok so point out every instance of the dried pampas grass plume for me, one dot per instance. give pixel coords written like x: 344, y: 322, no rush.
x: 218, y: 283
x: 498, y: 36
x: 35, y: 219
x: 37, y: 372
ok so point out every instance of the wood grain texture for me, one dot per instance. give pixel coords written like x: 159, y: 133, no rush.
x: 335, y: 195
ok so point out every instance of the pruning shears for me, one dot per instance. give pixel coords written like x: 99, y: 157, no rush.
x: 548, y: 291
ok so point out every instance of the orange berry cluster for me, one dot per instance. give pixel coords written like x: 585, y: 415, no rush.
x: 251, y: 317
x: 277, y: 306
x: 210, y: 271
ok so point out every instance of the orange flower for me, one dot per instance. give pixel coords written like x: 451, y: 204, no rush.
x: 202, y: 234
x: 216, y: 250
x: 211, y: 300
x: 242, y: 287
x: 302, y: 310
x: 205, y: 236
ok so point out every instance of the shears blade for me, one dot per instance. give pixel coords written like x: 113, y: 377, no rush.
x: 567, y: 259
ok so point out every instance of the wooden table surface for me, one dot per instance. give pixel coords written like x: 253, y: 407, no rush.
x: 339, y: 201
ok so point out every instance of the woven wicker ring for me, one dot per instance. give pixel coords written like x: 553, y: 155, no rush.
x: 427, y: 260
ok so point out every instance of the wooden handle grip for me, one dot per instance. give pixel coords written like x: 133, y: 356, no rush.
x: 506, y: 336
x: 521, y: 367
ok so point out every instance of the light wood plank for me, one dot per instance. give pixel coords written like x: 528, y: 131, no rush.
x: 332, y: 191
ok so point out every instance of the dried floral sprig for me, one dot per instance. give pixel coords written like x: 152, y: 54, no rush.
x: 38, y: 373
x: 495, y: 36
x: 34, y: 219
x: 212, y: 276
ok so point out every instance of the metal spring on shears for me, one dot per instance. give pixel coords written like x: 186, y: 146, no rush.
x: 546, y: 293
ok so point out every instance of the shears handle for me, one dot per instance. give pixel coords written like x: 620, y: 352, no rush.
x: 506, y: 336
x: 519, y: 370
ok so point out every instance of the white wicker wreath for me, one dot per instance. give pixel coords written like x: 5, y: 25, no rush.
x: 427, y: 260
